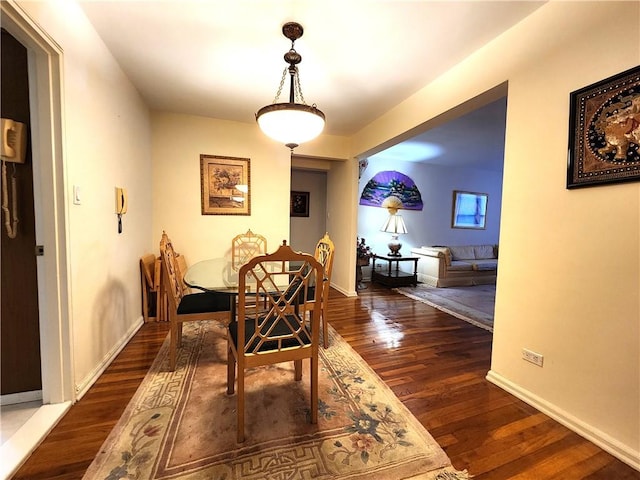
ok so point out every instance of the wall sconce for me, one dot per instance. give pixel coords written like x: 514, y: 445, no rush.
x: 394, y: 224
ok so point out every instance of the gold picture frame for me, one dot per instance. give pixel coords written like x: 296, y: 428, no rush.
x: 604, y: 134
x: 225, y: 185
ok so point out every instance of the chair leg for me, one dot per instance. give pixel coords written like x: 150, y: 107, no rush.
x: 164, y: 307
x: 145, y: 301
x: 173, y: 345
x: 325, y: 329
x: 159, y: 314
x: 179, y: 335
x: 231, y: 371
x: 314, y: 390
x: 297, y: 367
x: 240, y: 407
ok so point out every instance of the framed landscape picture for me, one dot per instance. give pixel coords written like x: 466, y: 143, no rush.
x: 604, y: 131
x: 224, y: 185
x: 469, y: 210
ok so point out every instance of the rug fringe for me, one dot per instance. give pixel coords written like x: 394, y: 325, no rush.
x: 454, y: 475
x: 446, y: 473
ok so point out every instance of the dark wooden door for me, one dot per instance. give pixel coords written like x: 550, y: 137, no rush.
x: 19, y: 326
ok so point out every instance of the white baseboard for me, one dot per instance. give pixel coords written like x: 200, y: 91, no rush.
x: 346, y: 293
x: 83, y: 386
x: 622, y: 452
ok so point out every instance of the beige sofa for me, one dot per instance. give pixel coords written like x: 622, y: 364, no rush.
x: 450, y: 266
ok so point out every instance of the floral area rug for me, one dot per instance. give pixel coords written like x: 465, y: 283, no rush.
x: 474, y: 305
x: 182, y: 424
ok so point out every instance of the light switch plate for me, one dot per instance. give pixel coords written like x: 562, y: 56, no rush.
x: 77, y: 199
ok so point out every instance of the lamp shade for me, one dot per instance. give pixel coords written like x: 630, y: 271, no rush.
x: 290, y: 123
x: 394, y: 224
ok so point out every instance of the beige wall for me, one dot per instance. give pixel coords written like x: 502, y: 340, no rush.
x: 106, y: 143
x: 568, y: 285
x: 178, y: 141
x: 342, y: 200
x: 583, y: 309
x: 176, y: 187
x: 329, y: 154
x: 569, y: 279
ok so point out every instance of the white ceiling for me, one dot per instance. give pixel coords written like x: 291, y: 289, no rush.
x: 474, y: 140
x: 223, y: 58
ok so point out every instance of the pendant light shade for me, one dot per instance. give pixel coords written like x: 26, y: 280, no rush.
x: 290, y: 123
x: 294, y: 122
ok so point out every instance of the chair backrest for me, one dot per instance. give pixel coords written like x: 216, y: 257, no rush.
x: 150, y: 267
x: 172, y: 278
x: 275, y: 319
x: 246, y: 246
x: 324, y: 254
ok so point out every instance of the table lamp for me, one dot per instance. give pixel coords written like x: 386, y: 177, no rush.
x: 394, y: 224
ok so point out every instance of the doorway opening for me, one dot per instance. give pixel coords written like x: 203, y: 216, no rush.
x: 44, y: 60
x: 460, y: 150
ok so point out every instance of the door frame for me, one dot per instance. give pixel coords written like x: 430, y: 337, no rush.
x: 45, y: 96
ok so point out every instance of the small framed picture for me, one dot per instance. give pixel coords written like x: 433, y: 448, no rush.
x: 469, y: 210
x: 299, y: 206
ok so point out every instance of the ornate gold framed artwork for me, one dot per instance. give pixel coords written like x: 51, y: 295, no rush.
x: 225, y: 185
x: 604, y: 131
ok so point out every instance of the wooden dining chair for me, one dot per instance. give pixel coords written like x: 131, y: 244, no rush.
x: 283, y: 330
x: 245, y: 246
x: 183, y: 307
x: 150, y: 283
x: 324, y: 254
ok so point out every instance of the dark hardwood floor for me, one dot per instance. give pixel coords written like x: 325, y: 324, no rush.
x: 435, y: 363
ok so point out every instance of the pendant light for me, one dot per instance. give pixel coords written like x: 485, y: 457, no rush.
x: 293, y: 122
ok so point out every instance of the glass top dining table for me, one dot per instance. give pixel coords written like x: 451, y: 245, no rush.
x: 218, y: 275
x: 212, y: 275
x: 215, y: 275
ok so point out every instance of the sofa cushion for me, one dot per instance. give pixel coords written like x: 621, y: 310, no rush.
x: 485, y: 265
x: 483, y: 251
x: 460, y: 266
x: 466, y: 252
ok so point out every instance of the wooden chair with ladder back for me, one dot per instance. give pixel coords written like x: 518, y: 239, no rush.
x: 187, y: 307
x: 272, y: 325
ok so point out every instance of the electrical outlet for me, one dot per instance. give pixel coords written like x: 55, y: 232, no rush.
x: 533, y: 357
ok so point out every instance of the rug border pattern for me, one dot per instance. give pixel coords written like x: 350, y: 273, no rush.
x: 164, y: 391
